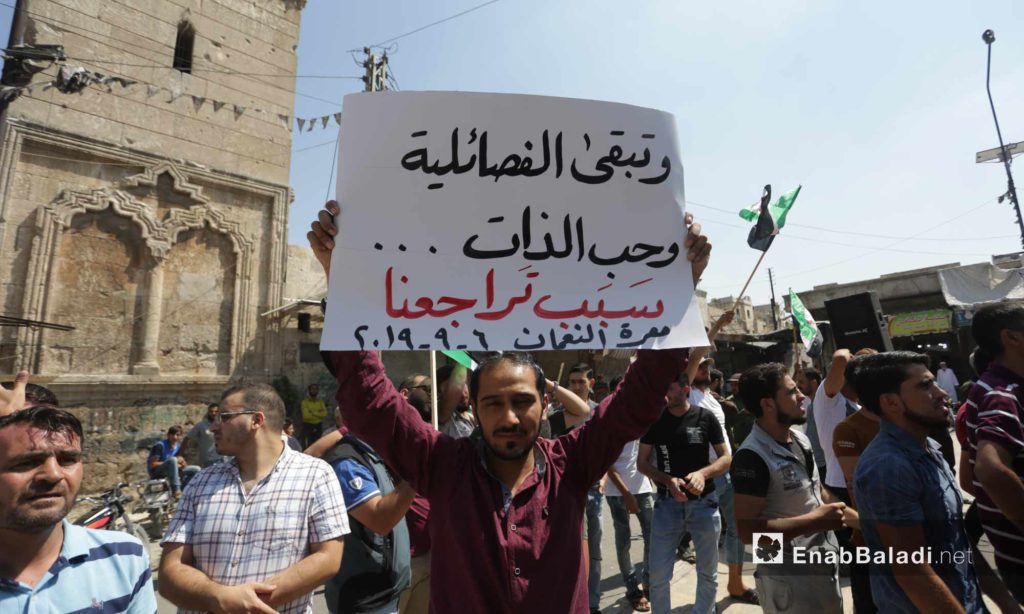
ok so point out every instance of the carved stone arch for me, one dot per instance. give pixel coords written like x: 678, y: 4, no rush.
x: 180, y: 182
x: 243, y: 314
x: 59, y: 214
x: 51, y: 223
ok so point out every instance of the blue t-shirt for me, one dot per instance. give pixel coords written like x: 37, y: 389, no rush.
x: 161, y: 451
x: 357, y: 482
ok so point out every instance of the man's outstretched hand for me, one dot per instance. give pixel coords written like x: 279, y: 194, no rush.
x: 324, y: 229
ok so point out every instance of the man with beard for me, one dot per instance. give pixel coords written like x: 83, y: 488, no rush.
x: 778, y: 490
x: 703, y: 395
x: 48, y: 564
x: 505, y: 507
x: 908, y: 498
x: 258, y: 533
x: 674, y: 454
x: 453, y: 416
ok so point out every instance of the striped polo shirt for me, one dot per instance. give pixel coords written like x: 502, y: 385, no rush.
x: 96, y: 572
x: 995, y: 412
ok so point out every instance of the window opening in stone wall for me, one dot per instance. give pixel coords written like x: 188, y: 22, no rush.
x: 183, y: 47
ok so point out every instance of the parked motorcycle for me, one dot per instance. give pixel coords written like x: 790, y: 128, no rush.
x: 156, y: 501
x: 111, y: 513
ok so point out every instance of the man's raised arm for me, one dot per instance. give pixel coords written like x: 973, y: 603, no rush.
x: 376, y: 413
x: 369, y: 403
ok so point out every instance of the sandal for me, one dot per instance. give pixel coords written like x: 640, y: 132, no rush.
x: 748, y: 596
x: 640, y: 603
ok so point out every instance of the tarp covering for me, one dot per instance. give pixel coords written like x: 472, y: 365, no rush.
x: 977, y: 284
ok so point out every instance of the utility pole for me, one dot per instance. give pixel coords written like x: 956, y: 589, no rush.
x: 376, y: 77
x: 989, y: 37
x: 775, y: 317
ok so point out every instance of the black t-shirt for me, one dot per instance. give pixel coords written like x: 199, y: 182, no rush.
x: 681, y: 443
x: 750, y: 475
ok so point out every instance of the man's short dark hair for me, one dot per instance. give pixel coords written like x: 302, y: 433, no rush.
x: 878, y: 374
x: 211, y: 406
x: 990, y: 320
x: 515, y: 359
x: 410, y: 381
x: 175, y: 430
x: 287, y: 422
x: 760, y: 382
x: 260, y: 397
x: 583, y: 368
x: 36, y: 394
x: 47, y: 418
x: 716, y: 375
x: 812, y: 373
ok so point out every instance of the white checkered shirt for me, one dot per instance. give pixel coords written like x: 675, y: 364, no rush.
x: 238, y: 538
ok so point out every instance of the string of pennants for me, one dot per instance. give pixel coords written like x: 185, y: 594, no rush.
x: 73, y: 80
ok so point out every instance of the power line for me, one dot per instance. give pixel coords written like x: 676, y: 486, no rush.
x: 107, y: 40
x: 212, y: 70
x: 325, y: 143
x: 874, y: 250
x: 431, y: 25
x: 863, y: 234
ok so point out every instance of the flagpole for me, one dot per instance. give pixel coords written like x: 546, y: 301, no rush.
x: 433, y: 388
x: 746, y: 285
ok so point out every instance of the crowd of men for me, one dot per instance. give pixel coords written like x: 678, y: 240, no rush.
x: 510, y: 488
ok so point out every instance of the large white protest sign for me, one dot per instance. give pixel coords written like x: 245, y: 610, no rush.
x: 508, y: 222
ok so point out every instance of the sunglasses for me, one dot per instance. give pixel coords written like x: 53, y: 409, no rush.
x: 227, y: 415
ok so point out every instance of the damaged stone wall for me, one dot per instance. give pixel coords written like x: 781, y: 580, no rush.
x: 154, y: 225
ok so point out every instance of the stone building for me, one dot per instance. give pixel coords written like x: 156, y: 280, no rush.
x: 150, y: 216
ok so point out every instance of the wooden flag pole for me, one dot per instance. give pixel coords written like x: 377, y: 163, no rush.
x: 749, y: 279
x: 558, y: 380
x: 433, y: 388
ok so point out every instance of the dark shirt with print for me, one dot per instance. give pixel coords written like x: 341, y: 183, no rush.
x: 681, y: 443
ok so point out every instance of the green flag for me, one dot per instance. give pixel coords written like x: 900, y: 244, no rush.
x: 770, y: 218
x: 804, y: 321
x: 463, y: 358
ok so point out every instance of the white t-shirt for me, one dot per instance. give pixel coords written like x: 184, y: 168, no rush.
x: 946, y: 380
x: 829, y: 412
x: 636, y: 482
x: 710, y: 403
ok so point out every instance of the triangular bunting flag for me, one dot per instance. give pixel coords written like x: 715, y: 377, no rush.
x: 324, y: 120
x: 337, y: 118
x: 285, y: 120
x: 238, y: 111
x: 218, y: 105
x: 312, y: 123
x: 302, y: 123
x: 152, y: 90
x: 197, y: 101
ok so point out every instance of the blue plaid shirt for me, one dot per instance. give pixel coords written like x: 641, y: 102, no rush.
x: 900, y: 483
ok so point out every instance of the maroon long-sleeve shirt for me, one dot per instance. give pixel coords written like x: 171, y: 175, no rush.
x: 486, y: 556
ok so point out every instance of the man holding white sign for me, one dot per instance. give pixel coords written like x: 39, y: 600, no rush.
x: 506, y: 507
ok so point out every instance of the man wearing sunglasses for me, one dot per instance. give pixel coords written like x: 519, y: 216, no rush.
x: 258, y: 533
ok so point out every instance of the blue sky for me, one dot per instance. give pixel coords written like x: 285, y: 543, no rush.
x: 877, y: 108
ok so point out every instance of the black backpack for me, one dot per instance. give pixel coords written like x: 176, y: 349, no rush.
x: 374, y: 568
